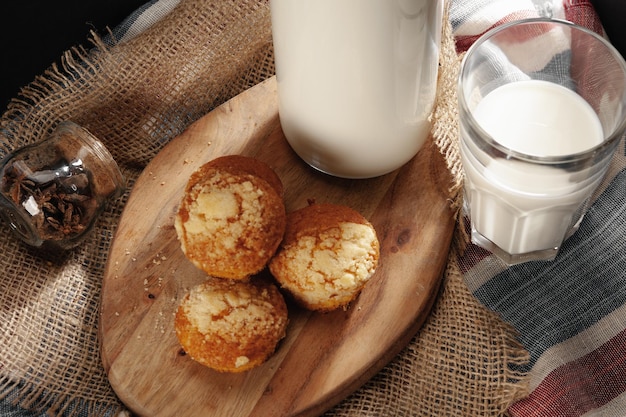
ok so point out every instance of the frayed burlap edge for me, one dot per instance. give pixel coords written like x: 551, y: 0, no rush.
x: 36, y: 399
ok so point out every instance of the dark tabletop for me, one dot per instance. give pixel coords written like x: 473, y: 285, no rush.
x: 34, y: 33
x: 612, y: 13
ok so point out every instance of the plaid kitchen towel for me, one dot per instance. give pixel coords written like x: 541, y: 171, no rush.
x: 571, y: 312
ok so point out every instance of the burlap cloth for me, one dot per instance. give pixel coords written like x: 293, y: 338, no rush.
x: 136, y: 95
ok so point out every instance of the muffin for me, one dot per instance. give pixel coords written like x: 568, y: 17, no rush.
x: 328, y: 254
x: 232, y: 217
x: 249, y: 165
x: 231, y: 325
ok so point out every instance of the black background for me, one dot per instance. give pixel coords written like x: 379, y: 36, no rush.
x: 35, y: 33
x: 613, y: 16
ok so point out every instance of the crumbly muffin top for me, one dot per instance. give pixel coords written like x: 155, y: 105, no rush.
x: 335, y: 259
x: 231, y: 325
x: 232, y: 310
x: 328, y: 254
x: 226, y: 208
x: 229, y: 222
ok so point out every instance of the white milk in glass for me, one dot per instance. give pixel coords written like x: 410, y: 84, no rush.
x: 523, y: 207
x: 356, y: 80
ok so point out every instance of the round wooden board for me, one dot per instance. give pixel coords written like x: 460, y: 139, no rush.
x: 324, y: 357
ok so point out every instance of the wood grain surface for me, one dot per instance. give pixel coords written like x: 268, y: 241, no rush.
x: 324, y: 357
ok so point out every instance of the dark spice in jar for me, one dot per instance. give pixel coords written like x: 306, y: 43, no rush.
x: 60, y: 203
x: 53, y: 191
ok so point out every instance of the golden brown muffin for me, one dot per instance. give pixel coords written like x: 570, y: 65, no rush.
x: 231, y: 219
x: 328, y: 254
x: 248, y: 165
x: 231, y: 325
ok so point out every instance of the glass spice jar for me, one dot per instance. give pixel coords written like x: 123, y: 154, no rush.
x: 51, y: 192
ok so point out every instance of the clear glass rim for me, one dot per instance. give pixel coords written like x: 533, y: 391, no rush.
x: 100, y: 150
x: 608, y: 142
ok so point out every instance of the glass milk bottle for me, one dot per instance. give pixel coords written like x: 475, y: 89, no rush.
x: 356, y: 80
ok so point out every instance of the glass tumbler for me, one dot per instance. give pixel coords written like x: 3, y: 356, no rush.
x: 542, y: 107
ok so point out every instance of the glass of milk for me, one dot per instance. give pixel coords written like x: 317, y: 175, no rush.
x: 356, y: 80
x: 542, y: 107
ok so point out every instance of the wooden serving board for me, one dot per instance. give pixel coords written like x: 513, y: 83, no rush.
x: 324, y: 357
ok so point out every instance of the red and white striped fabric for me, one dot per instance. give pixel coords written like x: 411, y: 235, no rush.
x: 571, y: 312
x: 470, y: 19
